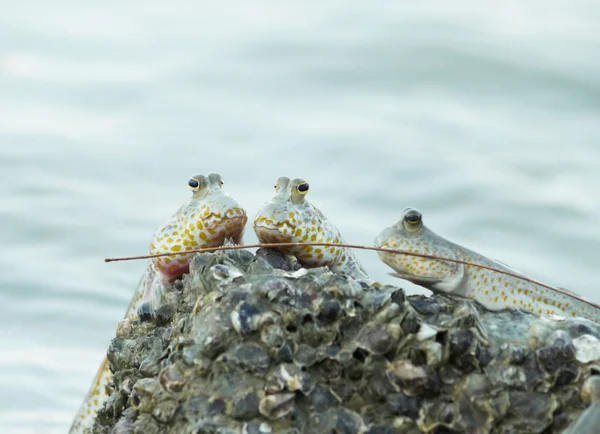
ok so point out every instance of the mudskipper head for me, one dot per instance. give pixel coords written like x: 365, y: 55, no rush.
x: 206, y: 220
x: 411, y: 235
x: 287, y: 217
x: 406, y: 230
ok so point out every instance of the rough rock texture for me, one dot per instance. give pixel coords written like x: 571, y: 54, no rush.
x: 238, y: 346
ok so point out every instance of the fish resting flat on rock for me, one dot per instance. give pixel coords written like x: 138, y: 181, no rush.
x: 493, y: 290
x: 207, y: 219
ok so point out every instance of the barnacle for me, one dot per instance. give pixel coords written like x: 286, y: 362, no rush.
x: 243, y: 346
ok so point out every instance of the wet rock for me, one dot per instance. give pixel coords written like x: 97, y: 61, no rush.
x: 589, y: 420
x: 245, y: 318
x: 163, y: 315
x: 530, y: 411
x: 378, y: 338
x: 403, y: 405
x: 172, y: 378
x: 248, y: 357
x: 277, y: 260
x: 294, y: 378
x: 145, y: 424
x: 323, y: 398
x: 165, y: 408
x: 559, y: 363
x: 277, y: 406
x: 305, y: 355
x: 441, y: 417
x: 464, y: 348
x: 587, y: 348
x: 145, y: 311
x: 260, y: 266
x: 425, y: 306
x: 330, y: 309
x: 254, y: 345
x: 414, y: 380
x: 338, y: 421
x: 246, y: 405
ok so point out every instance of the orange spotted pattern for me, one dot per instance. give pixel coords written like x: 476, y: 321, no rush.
x: 194, y: 228
x: 289, y: 217
x: 493, y: 290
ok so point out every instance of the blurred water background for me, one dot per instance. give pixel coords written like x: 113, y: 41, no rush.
x: 485, y: 117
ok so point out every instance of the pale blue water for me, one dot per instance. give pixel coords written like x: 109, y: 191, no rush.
x: 486, y: 118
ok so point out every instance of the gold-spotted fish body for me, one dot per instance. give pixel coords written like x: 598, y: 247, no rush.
x: 289, y: 217
x: 205, y: 220
x: 495, y: 291
x: 209, y: 217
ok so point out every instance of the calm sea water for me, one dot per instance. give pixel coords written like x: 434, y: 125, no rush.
x: 487, y: 119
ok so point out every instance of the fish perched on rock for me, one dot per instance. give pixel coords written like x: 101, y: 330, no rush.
x: 207, y: 219
x: 493, y: 290
x: 289, y: 218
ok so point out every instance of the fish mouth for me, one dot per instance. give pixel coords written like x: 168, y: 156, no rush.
x: 234, y: 227
x: 235, y: 213
x: 271, y: 227
x: 235, y: 221
x: 271, y: 235
x: 220, y: 227
x: 218, y: 231
x: 264, y: 223
x: 214, y: 220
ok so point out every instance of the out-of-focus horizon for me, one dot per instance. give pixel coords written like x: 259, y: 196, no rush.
x: 484, y: 117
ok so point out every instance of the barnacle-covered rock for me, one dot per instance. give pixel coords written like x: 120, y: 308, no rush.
x: 589, y: 421
x: 251, y: 344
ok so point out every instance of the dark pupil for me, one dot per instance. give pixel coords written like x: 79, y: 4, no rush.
x: 303, y: 187
x: 413, y: 218
x: 193, y: 183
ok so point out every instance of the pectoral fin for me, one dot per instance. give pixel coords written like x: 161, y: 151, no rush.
x: 427, y: 282
x: 449, y: 284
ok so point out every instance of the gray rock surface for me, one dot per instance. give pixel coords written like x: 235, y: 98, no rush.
x: 253, y: 344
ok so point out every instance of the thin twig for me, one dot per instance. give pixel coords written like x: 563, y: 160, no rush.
x: 356, y: 246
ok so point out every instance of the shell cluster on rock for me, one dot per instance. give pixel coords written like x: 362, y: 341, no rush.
x: 254, y: 344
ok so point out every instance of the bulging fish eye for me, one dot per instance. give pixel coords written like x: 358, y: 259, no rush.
x: 302, y: 188
x: 193, y: 184
x: 413, y: 217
